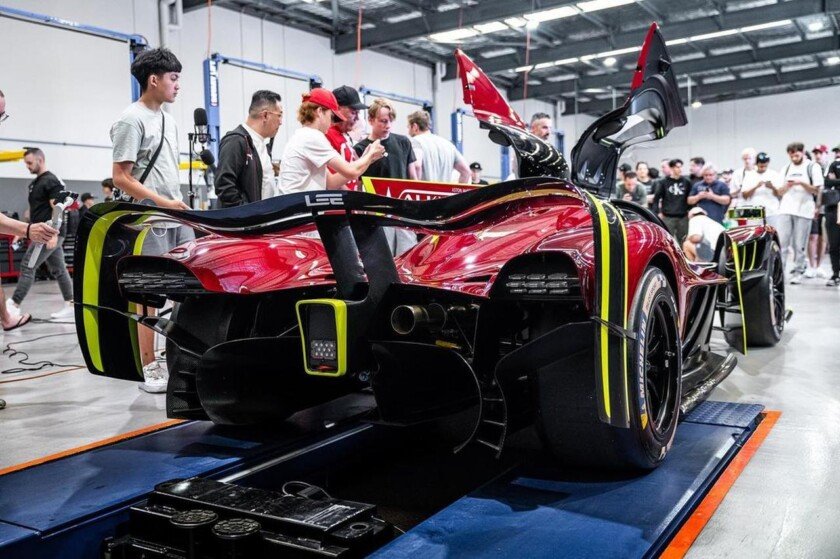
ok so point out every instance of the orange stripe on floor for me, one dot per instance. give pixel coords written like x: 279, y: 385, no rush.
x: 91, y: 446
x: 684, y: 539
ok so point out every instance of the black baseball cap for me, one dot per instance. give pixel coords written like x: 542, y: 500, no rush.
x: 348, y: 97
x: 624, y: 167
x: 762, y: 157
x: 475, y: 166
x: 87, y: 196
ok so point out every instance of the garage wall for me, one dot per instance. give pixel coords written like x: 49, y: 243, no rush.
x: 69, y: 87
x: 65, y: 87
x: 86, y: 79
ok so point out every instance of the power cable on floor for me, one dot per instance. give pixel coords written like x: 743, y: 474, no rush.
x: 9, y: 352
x: 51, y: 373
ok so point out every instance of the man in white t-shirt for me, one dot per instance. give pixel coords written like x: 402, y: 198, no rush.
x: 802, y: 180
x: 308, y: 152
x: 761, y: 188
x: 739, y: 176
x: 702, y: 238
x: 436, y: 157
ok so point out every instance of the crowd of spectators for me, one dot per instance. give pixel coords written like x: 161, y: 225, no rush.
x: 330, y: 150
x: 799, y: 198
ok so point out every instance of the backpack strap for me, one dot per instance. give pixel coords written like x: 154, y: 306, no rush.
x: 148, y: 169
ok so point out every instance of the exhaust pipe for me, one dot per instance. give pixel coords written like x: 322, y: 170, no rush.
x: 405, y: 319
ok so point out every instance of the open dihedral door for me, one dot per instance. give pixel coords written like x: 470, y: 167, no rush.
x: 652, y: 110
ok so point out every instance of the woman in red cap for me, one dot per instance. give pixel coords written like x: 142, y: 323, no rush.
x: 308, y: 152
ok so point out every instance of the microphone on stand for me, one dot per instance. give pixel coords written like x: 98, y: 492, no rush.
x: 201, y: 135
x: 207, y: 158
x: 202, y: 132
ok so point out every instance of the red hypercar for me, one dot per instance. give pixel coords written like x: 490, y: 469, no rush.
x: 534, y: 301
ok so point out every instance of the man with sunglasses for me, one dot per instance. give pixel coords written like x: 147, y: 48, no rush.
x: 245, y: 173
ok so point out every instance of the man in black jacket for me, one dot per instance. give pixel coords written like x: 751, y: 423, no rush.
x: 671, y: 200
x: 244, y: 173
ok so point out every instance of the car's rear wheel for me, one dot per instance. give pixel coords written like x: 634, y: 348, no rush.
x: 568, y: 418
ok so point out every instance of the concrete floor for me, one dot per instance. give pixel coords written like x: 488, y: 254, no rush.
x: 49, y: 413
x: 786, y: 503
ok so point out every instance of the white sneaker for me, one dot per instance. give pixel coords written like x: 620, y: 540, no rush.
x: 810, y: 273
x: 821, y: 273
x: 796, y: 279
x: 13, y: 309
x: 157, y: 377
x: 67, y: 313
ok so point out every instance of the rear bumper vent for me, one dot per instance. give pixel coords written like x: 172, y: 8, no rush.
x: 160, y: 282
x: 548, y: 276
x: 542, y: 284
x: 154, y: 279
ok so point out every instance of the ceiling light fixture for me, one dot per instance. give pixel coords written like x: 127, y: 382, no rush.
x: 762, y: 26
x: 595, y: 5
x: 832, y: 60
x: 516, y: 22
x: 610, y: 61
x: 715, y: 35
x: 696, y: 105
x: 815, y: 26
x: 554, y: 13
x: 490, y: 27
x: 618, y: 52
x: 453, y: 36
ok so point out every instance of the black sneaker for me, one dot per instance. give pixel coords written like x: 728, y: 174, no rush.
x: 833, y: 281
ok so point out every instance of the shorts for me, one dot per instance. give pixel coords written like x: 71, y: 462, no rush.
x: 816, y: 225
x: 161, y: 239
x: 705, y: 251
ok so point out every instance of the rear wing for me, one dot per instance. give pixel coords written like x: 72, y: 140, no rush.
x: 287, y: 212
x: 350, y: 226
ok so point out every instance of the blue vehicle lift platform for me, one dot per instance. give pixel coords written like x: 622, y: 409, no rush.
x: 529, y: 508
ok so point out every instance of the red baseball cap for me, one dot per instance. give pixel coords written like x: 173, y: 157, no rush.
x: 324, y: 98
x: 820, y: 147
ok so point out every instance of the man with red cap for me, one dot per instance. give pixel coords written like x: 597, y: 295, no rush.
x: 308, y: 152
x: 349, y: 105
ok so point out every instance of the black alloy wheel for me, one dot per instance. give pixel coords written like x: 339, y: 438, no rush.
x: 661, y: 367
x: 777, y: 293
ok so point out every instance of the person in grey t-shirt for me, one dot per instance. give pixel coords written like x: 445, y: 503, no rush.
x: 436, y: 156
x: 137, y: 133
x: 136, y: 136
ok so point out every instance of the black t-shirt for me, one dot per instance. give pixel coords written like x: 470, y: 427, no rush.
x: 43, y: 189
x: 672, y: 196
x: 395, y: 166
